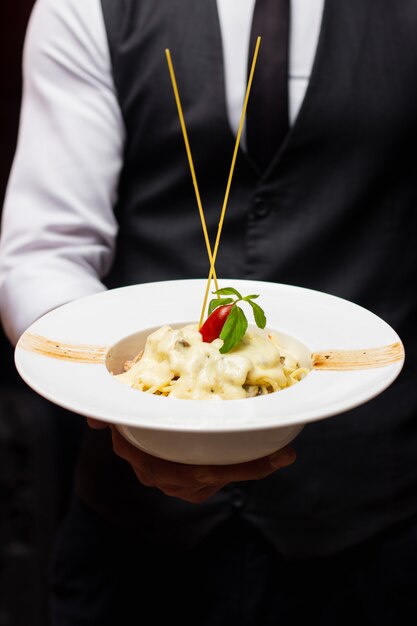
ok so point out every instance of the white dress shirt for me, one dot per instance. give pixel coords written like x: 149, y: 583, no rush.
x: 58, y: 228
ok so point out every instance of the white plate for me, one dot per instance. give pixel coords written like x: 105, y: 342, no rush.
x: 193, y: 431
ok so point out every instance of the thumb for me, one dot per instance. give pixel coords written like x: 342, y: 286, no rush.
x: 96, y: 424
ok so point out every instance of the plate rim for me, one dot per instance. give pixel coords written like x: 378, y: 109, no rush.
x: 302, y: 418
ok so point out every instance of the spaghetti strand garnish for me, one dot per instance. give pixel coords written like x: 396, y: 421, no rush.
x: 229, y: 182
x: 190, y: 161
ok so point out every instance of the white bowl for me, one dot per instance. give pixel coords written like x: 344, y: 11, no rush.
x: 197, y: 431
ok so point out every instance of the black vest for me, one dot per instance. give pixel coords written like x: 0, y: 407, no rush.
x: 336, y: 211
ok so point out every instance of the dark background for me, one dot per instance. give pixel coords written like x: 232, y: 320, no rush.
x: 38, y: 442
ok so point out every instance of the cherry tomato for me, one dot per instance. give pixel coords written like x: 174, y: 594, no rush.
x: 213, y: 325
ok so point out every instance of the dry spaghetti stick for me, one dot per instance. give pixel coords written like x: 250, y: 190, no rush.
x: 190, y: 161
x: 229, y: 182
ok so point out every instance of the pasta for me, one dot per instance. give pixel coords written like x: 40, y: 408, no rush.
x: 179, y: 364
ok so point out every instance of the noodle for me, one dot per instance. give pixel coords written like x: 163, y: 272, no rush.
x: 177, y: 363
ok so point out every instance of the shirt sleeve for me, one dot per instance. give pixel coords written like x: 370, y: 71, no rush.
x: 58, y: 225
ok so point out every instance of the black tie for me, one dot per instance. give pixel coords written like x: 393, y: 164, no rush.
x: 267, y: 113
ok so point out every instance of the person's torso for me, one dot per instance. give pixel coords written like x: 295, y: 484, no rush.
x: 335, y: 211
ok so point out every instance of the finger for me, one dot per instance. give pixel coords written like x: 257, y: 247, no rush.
x: 195, y: 497
x: 96, y: 424
x: 174, y: 479
x: 217, y: 476
x: 170, y: 477
x: 150, y: 470
x: 251, y: 470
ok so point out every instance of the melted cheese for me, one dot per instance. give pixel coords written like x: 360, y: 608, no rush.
x: 176, y: 362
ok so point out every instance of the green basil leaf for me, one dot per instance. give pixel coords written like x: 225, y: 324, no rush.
x: 251, y: 297
x: 234, y: 329
x: 218, y: 302
x: 228, y: 291
x: 258, y: 314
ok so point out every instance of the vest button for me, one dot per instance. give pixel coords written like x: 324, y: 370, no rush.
x: 238, y: 498
x: 261, y: 208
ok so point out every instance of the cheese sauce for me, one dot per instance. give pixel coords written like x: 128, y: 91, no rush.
x: 176, y: 362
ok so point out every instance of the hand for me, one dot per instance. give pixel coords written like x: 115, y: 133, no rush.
x: 193, y: 483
